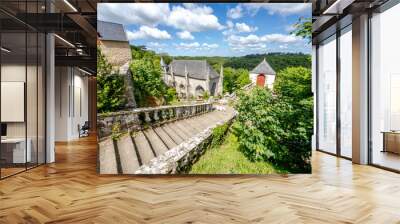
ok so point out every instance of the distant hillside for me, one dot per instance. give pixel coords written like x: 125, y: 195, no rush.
x: 278, y: 61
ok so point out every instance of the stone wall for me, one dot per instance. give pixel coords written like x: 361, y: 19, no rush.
x: 193, y: 83
x: 118, y: 53
x: 138, y: 119
x: 180, y: 159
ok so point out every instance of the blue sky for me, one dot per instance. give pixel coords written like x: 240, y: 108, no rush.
x: 218, y: 29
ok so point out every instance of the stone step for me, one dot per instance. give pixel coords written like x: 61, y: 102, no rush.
x: 201, y: 123
x: 177, y: 139
x: 127, y: 154
x: 165, y: 137
x: 178, y: 130
x: 187, y: 128
x: 107, y: 157
x: 143, y: 147
x: 157, y: 144
x: 190, y: 123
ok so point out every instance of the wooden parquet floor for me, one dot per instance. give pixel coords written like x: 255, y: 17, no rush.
x: 70, y: 191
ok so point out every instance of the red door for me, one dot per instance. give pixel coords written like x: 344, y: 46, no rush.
x: 261, y: 80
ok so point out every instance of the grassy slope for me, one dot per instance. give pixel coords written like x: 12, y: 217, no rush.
x: 227, y: 159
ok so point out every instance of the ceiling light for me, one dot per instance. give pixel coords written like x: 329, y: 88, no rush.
x: 337, y: 7
x: 86, y: 72
x: 70, y: 5
x: 64, y: 40
x: 5, y: 50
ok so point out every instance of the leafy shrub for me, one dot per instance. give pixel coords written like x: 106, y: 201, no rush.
x: 235, y: 79
x: 278, y: 128
x: 218, y: 134
x: 147, y: 81
x: 110, y: 87
x: 116, y: 131
x: 206, y: 95
x: 294, y: 83
x: 170, y: 95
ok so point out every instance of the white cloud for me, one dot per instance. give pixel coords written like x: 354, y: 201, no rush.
x: 188, y: 46
x: 244, y: 28
x: 148, y: 32
x: 196, y: 46
x: 229, y: 24
x: 156, y: 46
x: 206, y: 46
x: 137, y: 13
x: 185, y: 35
x: 235, y: 13
x: 187, y: 17
x: 283, y: 9
x: 253, y: 42
x: 283, y: 46
x: 193, y: 18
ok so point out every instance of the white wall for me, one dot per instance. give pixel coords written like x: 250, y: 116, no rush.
x: 71, y: 87
x: 269, y: 80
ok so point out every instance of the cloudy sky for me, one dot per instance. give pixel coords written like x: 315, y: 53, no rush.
x: 217, y: 29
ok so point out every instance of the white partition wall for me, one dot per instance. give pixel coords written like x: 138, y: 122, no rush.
x: 71, y: 102
x: 327, y: 95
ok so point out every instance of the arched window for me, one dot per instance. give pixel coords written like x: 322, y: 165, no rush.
x: 214, y: 86
x: 199, y: 91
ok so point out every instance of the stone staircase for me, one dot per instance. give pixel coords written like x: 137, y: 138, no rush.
x: 132, y: 151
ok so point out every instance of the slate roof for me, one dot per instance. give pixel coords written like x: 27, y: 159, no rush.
x: 197, y: 69
x: 111, y: 31
x: 263, y: 68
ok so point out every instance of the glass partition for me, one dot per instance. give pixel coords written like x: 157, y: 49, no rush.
x: 327, y: 95
x: 22, y: 101
x: 13, y: 95
x: 346, y: 92
x: 385, y: 89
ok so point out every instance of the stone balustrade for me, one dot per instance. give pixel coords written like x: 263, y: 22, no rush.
x: 140, y: 118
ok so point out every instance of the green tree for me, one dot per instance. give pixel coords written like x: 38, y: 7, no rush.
x: 303, y: 28
x: 110, y: 87
x: 242, y: 78
x: 294, y: 82
x: 235, y: 79
x: 146, y: 77
x: 278, y: 128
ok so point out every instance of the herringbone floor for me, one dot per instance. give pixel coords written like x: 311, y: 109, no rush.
x: 70, y: 191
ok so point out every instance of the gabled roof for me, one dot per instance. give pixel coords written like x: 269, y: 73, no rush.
x: 196, y: 69
x: 263, y: 68
x: 111, y: 31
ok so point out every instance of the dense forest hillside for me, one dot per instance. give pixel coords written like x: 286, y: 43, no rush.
x: 278, y: 61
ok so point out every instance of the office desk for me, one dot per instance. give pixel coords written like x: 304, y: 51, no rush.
x: 391, y: 141
x: 13, y: 150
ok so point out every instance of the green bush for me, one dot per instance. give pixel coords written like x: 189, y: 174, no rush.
x: 235, y: 79
x: 278, y: 128
x: 170, y: 95
x: 110, y: 87
x: 206, y: 95
x: 218, y: 134
x: 147, y: 81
